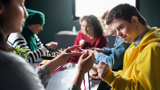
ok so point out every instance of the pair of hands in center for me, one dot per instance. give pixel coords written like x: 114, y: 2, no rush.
x: 85, y: 62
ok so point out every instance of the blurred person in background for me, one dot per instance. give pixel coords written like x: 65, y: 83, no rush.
x: 91, y: 33
x: 112, y: 56
x: 28, y: 37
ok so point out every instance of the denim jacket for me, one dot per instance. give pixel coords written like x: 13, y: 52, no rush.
x: 114, y: 56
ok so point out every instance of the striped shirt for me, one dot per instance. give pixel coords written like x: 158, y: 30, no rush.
x: 15, y: 39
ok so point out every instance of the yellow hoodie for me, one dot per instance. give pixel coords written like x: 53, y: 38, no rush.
x: 141, y: 65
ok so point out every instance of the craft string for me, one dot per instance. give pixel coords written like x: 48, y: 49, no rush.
x: 60, y: 68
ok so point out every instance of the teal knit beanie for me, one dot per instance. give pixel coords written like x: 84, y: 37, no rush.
x: 34, y: 17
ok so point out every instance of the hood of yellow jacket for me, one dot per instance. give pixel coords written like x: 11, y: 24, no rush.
x: 152, y: 35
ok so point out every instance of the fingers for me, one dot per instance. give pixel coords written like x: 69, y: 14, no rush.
x: 92, y: 48
x: 55, y: 45
x: 52, y: 45
x: 89, y: 55
x: 84, y: 55
x: 94, y: 68
x: 93, y: 56
x: 101, y: 66
x: 94, y: 76
x: 102, y: 69
x: 95, y: 52
x: 69, y: 49
x: 74, y: 54
x: 85, y: 62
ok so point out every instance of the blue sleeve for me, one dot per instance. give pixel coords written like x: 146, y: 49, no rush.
x: 108, y: 51
x: 114, y: 56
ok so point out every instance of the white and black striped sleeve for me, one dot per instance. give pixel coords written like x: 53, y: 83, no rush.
x: 15, y: 39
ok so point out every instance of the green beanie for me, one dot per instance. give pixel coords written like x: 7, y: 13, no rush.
x: 34, y: 17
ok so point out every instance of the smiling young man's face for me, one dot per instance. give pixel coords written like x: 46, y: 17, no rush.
x: 127, y: 31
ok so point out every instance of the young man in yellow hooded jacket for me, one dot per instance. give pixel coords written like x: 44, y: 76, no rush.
x: 141, y: 62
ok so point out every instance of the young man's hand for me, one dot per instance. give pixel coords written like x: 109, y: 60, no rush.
x: 94, y: 76
x: 102, y: 69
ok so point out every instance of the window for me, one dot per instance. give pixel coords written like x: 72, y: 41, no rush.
x: 96, y: 7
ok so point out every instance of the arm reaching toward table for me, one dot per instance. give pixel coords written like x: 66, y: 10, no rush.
x: 46, y: 70
x: 85, y: 63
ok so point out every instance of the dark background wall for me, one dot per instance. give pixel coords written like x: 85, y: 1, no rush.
x: 58, y: 15
x: 150, y: 10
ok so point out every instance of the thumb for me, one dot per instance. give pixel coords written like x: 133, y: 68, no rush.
x: 74, y: 54
x: 90, y: 56
x: 102, y: 63
x: 84, y: 55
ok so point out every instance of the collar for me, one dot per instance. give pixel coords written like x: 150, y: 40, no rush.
x: 139, y: 38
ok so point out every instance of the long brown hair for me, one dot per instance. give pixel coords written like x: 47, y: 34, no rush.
x: 3, y: 40
x: 95, y: 22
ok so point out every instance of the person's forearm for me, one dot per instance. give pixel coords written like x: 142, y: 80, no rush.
x: 52, y: 65
x: 78, y: 79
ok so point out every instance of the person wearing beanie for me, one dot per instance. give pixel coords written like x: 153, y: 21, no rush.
x: 28, y: 37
